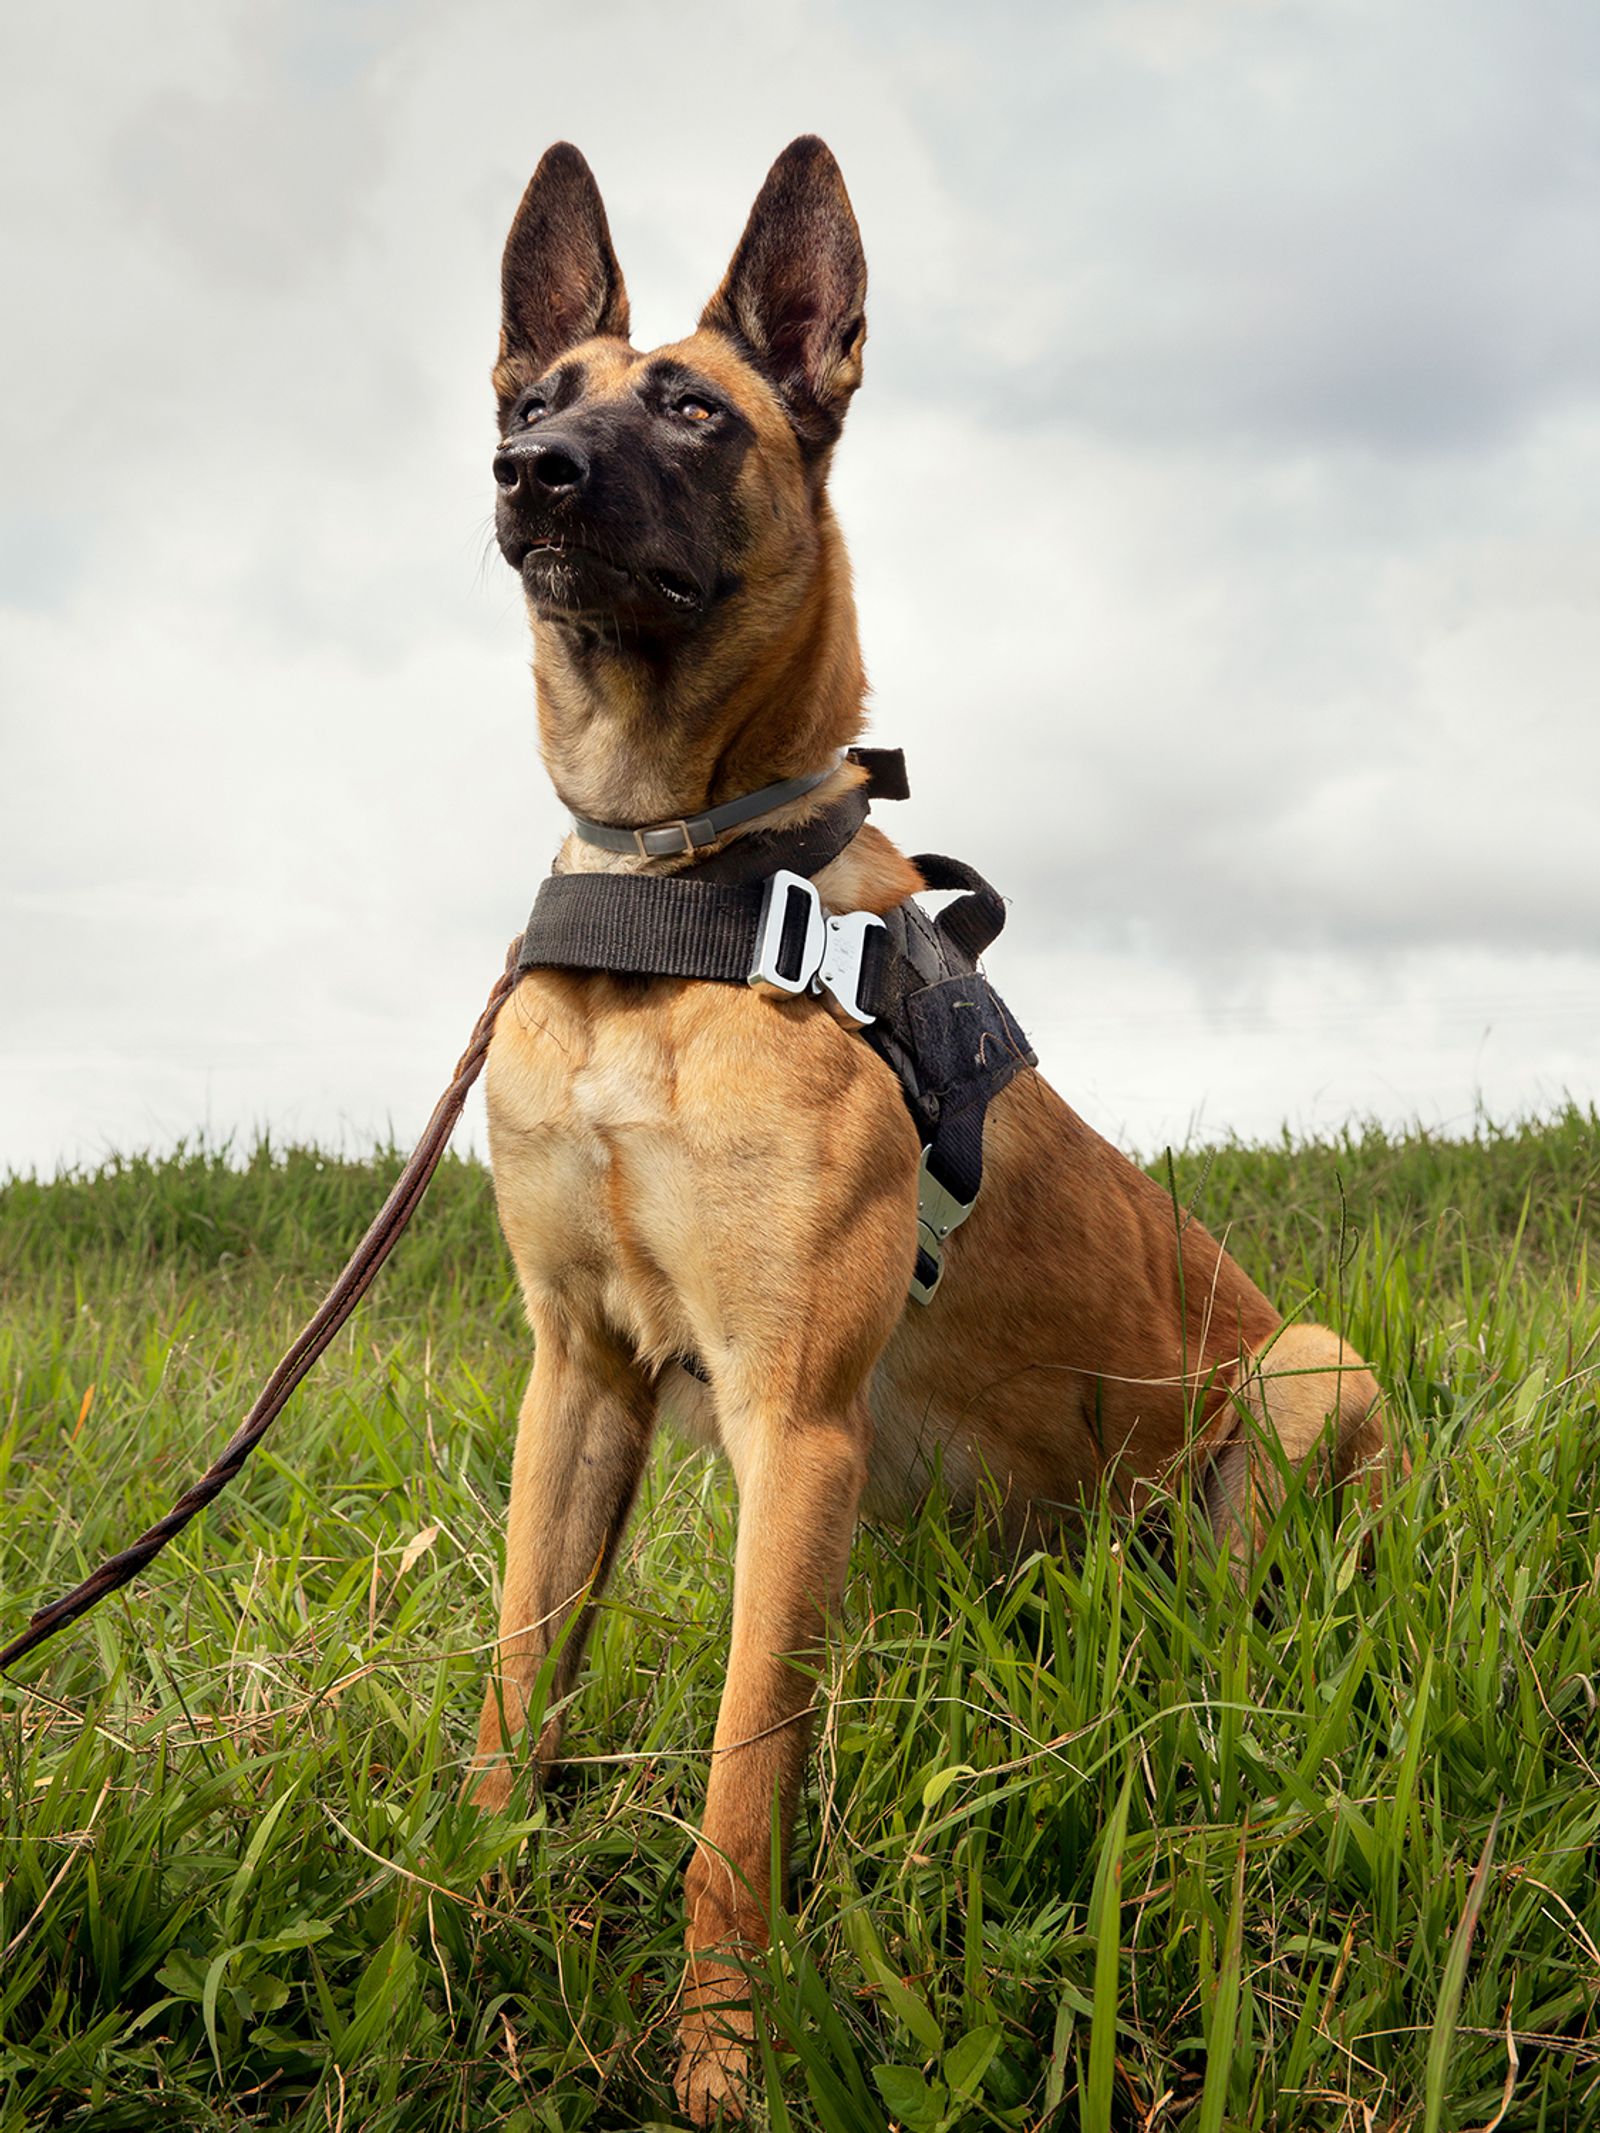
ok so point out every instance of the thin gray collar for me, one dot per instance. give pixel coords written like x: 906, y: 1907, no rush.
x: 668, y: 840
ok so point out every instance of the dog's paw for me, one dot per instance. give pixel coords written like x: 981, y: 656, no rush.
x: 712, y: 2080
x: 489, y: 1788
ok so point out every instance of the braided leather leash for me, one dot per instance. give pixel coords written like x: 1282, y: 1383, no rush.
x: 313, y: 1338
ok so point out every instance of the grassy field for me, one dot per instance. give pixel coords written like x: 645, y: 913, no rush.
x: 1084, y: 1844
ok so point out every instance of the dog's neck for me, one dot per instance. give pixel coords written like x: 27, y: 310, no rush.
x: 636, y: 733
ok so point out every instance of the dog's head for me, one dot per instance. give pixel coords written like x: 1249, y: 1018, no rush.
x: 644, y: 497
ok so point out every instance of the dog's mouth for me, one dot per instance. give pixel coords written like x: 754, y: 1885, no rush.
x: 568, y: 577
x: 679, y: 592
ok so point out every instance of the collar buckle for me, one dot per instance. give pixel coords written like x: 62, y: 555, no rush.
x: 646, y: 844
x: 678, y: 839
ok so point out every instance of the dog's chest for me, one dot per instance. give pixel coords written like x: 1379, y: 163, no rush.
x: 689, y: 1166
x: 641, y: 1137
x: 583, y: 1123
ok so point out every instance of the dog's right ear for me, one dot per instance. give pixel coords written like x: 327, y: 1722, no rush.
x: 559, y: 280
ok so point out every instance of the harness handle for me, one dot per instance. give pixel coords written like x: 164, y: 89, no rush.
x: 974, y: 920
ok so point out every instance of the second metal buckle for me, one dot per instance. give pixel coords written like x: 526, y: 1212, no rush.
x: 938, y: 1213
x: 844, y: 957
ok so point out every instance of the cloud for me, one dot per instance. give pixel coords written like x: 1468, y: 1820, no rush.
x: 1222, y: 495
x: 1355, y: 225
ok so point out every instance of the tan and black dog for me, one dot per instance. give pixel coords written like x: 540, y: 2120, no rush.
x: 687, y: 1169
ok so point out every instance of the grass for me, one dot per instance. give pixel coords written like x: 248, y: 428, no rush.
x: 1087, y: 1844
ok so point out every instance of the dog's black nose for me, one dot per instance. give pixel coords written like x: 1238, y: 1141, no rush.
x: 557, y: 469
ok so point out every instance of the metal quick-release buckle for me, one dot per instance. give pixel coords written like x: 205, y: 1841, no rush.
x: 800, y: 948
x: 938, y: 1213
x: 844, y: 955
x: 791, y: 913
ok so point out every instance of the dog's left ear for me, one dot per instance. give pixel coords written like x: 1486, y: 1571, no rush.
x: 793, y: 299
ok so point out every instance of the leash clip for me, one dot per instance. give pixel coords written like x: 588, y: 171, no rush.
x: 938, y: 1213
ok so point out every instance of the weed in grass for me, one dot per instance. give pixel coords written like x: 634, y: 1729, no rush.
x: 1086, y: 1842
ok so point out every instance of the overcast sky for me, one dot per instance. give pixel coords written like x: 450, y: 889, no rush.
x: 1224, y: 494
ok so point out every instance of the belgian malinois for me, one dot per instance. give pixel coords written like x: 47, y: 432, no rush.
x: 708, y: 1171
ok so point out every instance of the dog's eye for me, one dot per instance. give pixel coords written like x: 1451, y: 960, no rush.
x: 695, y: 408
x: 534, y: 408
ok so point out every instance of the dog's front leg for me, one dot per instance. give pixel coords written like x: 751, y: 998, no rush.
x: 582, y: 1439
x: 799, y: 1486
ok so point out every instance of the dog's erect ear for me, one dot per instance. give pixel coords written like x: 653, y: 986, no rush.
x: 793, y: 298
x: 559, y: 280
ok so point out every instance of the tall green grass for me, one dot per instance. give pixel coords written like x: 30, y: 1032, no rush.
x: 1086, y: 1843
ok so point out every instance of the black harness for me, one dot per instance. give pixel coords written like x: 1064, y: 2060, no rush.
x: 749, y: 914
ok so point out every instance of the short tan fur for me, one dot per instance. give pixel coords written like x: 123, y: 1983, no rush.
x: 696, y: 1170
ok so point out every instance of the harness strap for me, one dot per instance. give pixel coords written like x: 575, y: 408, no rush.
x: 947, y: 1187
x: 647, y: 925
x: 908, y: 981
x: 672, y: 926
x: 805, y: 848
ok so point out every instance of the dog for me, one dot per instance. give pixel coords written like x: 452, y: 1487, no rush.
x: 711, y: 1191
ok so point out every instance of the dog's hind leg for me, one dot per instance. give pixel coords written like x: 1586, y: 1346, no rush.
x: 1308, y: 1403
x: 582, y: 1440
